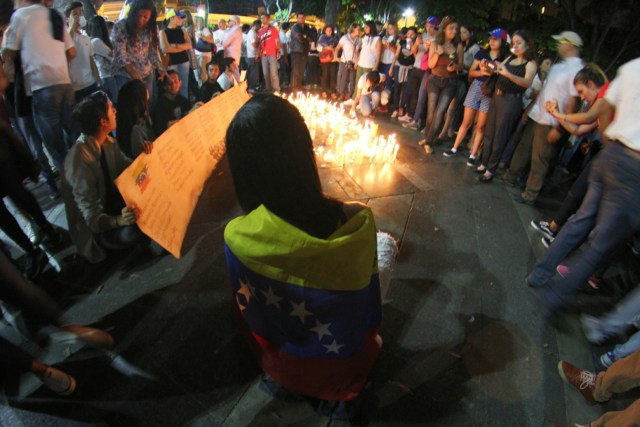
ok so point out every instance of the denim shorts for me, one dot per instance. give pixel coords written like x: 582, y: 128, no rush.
x: 475, y: 99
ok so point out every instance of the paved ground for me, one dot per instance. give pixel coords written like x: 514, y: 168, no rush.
x: 465, y: 343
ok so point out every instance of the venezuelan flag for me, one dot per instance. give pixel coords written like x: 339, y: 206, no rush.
x: 310, y: 307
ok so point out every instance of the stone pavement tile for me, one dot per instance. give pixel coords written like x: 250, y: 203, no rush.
x: 337, y: 183
x: 392, y: 213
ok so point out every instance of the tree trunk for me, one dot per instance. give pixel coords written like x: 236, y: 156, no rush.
x: 331, y: 11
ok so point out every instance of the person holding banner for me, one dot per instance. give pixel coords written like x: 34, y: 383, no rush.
x: 303, y: 266
x: 98, y: 218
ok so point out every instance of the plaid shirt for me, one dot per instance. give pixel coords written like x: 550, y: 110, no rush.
x: 142, y: 53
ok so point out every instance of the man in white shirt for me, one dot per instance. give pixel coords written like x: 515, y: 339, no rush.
x: 368, y: 93
x: 542, y: 135
x: 218, y: 38
x: 610, y: 212
x: 232, y: 44
x: 45, y: 47
x: 82, y: 70
x: 253, y: 68
x: 285, y: 51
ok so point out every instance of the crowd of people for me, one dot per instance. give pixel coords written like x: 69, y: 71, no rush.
x: 71, y: 84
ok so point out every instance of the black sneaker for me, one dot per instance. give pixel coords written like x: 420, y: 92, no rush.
x: 544, y: 227
x: 546, y: 242
x: 471, y: 161
x: 450, y: 153
x: 35, y: 262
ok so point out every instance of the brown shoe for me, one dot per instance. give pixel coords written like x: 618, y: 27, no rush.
x: 583, y: 381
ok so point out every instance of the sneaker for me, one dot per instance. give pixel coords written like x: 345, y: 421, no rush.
x: 348, y: 103
x: 563, y: 271
x: 522, y: 199
x: 410, y: 125
x: 383, y: 109
x: 608, y: 359
x: 450, y: 153
x: 546, y: 242
x: 595, y: 281
x: 486, y: 177
x: 428, y: 149
x: 59, y: 382
x: 594, y: 330
x: 583, y: 381
x: 544, y: 227
x: 394, y: 114
x: 406, y: 118
x: 471, y: 161
x: 92, y: 337
x: 481, y: 169
x: 422, y: 142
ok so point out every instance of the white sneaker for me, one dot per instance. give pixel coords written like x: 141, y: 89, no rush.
x: 348, y: 102
x: 394, y: 114
x: 59, y: 382
x: 406, y: 118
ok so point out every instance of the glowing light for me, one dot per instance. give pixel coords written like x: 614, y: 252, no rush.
x: 341, y: 140
x: 201, y: 12
x: 368, y: 17
x: 407, y: 13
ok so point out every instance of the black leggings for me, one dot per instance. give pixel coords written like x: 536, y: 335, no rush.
x: 11, y: 185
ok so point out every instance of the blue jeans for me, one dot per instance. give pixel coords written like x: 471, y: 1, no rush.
x: 270, y: 72
x: 440, y: 91
x: 422, y: 98
x: 183, y: 70
x: 610, y: 212
x: 52, y: 107
x: 346, y: 80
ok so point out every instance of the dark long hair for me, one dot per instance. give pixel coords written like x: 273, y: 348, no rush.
x: 273, y: 164
x: 97, y: 28
x: 133, y: 109
x: 530, y: 53
x: 132, y: 20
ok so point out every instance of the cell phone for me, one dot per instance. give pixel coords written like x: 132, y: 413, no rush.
x: 491, y: 66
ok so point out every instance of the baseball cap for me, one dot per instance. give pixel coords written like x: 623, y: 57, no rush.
x: 172, y: 12
x: 499, y: 33
x: 570, y: 37
x: 433, y: 21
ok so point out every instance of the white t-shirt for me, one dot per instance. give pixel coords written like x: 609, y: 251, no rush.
x: 364, y: 86
x: 388, y: 53
x: 102, y: 57
x: 252, y: 37
x: 80, y: 66
x: 44, y: 60
x: 368, y: 53
x: 349, y: 48
x: 284, y: 42
x: 558, y: 85
x: 218, y: 38
x: 624, y: 95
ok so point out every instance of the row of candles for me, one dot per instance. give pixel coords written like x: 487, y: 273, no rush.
x: 343, y: 140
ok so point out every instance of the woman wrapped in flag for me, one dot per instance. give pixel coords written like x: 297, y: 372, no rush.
x: 303, y: 266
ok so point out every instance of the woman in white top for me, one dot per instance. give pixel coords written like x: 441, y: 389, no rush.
x: 348, y: 50
x: 103, y: 54
x: 226, y: 79
x: 370, y: 52
x: 388, y: 54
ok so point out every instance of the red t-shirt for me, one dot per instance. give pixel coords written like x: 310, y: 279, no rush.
x: 268, y: 37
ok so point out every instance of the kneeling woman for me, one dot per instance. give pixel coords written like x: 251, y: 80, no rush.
x: 303, y: 266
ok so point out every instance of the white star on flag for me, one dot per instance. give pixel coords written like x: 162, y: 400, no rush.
x: 272, y: 299
x: 299, y: 311
x: 240, y: 306
x: 321, y: 329
x: 245, y: 290
x: 334, y: 347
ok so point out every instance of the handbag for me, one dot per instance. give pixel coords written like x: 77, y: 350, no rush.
x: 203, y: 46
x: 326, y: 56
x: 489, y: 86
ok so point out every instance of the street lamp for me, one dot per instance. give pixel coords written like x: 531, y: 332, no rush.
x: 407, y: 13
